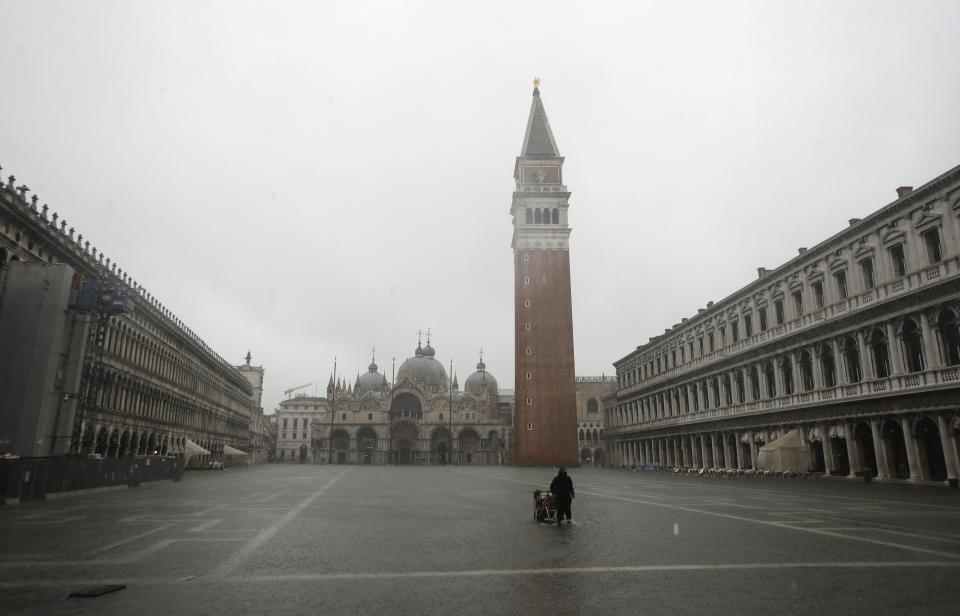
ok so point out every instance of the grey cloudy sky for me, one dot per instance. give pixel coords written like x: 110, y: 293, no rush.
x: 310, y: 179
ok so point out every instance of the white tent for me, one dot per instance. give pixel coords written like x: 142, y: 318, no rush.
x: 192, y: 449
x: 232, y: 451
x: 786, y: 453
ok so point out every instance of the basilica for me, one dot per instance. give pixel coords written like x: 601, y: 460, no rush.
x: 423, y: 417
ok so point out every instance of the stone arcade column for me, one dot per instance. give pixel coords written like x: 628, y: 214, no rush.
x: 866, y: 362
x: 816, y: 365
x: 896, y: 361
x: 853, y: 448
x: 703, y: 451
x: 747, y: 391
x: 879, y: 449
x: 727, y: 462
x: 738, y: 452
x: 753, y: 451
x: 839, y: 366
x: 946, y: 443
x: 762, y: 380
x: 797, y: 376
x: 715, y: 461
x: 778, y: 376
x: 917, y: 472
x: 931, y: 355
x: 827, y: 448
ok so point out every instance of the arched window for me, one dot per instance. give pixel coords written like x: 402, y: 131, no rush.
x: 593, y: 406
x: 786, y: 367
x: 851, y: 359
x: 581, y: 435
x: 738, y: 382
x: 556, y: 216
x: 771, y: 379
x: 754, y: 383
x: 727, y: 390
x: 528, y: 218
x: 949, y: 330
x: 537, y: 217
x: 806, y: 371
x: 912, y: 346
x: 715, y: 385
x: 881, y: 354
x: 828, y: 366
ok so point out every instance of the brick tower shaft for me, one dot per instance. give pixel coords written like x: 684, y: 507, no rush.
x: 546, y: 417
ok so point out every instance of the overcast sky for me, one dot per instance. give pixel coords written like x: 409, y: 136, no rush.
x: 311, y: 179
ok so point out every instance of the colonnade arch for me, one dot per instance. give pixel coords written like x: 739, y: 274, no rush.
x: 908, y: 446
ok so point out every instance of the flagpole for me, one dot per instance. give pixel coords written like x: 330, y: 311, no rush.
x: 393, y: 383
x: 450, y: 418
x: 333, y: 409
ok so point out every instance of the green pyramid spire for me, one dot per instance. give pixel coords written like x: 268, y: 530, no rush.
x: 538, y: 140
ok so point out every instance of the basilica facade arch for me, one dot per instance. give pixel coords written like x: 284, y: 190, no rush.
x: 423, y: 418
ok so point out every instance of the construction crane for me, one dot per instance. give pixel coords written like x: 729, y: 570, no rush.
x: 287, y: 392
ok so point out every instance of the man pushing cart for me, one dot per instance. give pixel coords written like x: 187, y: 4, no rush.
x: 553, y: 505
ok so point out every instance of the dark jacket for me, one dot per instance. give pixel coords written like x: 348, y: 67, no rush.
x: 562, y: 486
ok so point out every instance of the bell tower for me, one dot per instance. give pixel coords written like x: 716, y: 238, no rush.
x: 546, y: 416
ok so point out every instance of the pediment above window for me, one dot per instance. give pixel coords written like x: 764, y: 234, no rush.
x: 837, y: 264
x: 928, y: 219
x: 863, y: 251
x: 893, y: 236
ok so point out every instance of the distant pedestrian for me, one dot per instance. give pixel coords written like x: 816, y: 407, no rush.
x: 562, y: 489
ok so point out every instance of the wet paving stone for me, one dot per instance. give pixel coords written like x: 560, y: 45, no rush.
x: 425, y: 540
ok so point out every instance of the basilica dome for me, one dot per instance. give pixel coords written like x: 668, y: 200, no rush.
x: 481, y: 381
x: 424, y: 370
x: 370, y: 381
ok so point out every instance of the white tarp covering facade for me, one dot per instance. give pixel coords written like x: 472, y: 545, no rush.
x: 786, y: 453
x: 232, y: 451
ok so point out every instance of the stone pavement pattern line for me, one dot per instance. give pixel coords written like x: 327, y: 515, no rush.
x: 299, y: 539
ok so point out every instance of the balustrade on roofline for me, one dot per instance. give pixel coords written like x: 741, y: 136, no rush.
x: 912, y: 281
x: 83, y: 251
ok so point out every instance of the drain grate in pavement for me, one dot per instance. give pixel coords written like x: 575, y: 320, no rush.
x: 96, y: 591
